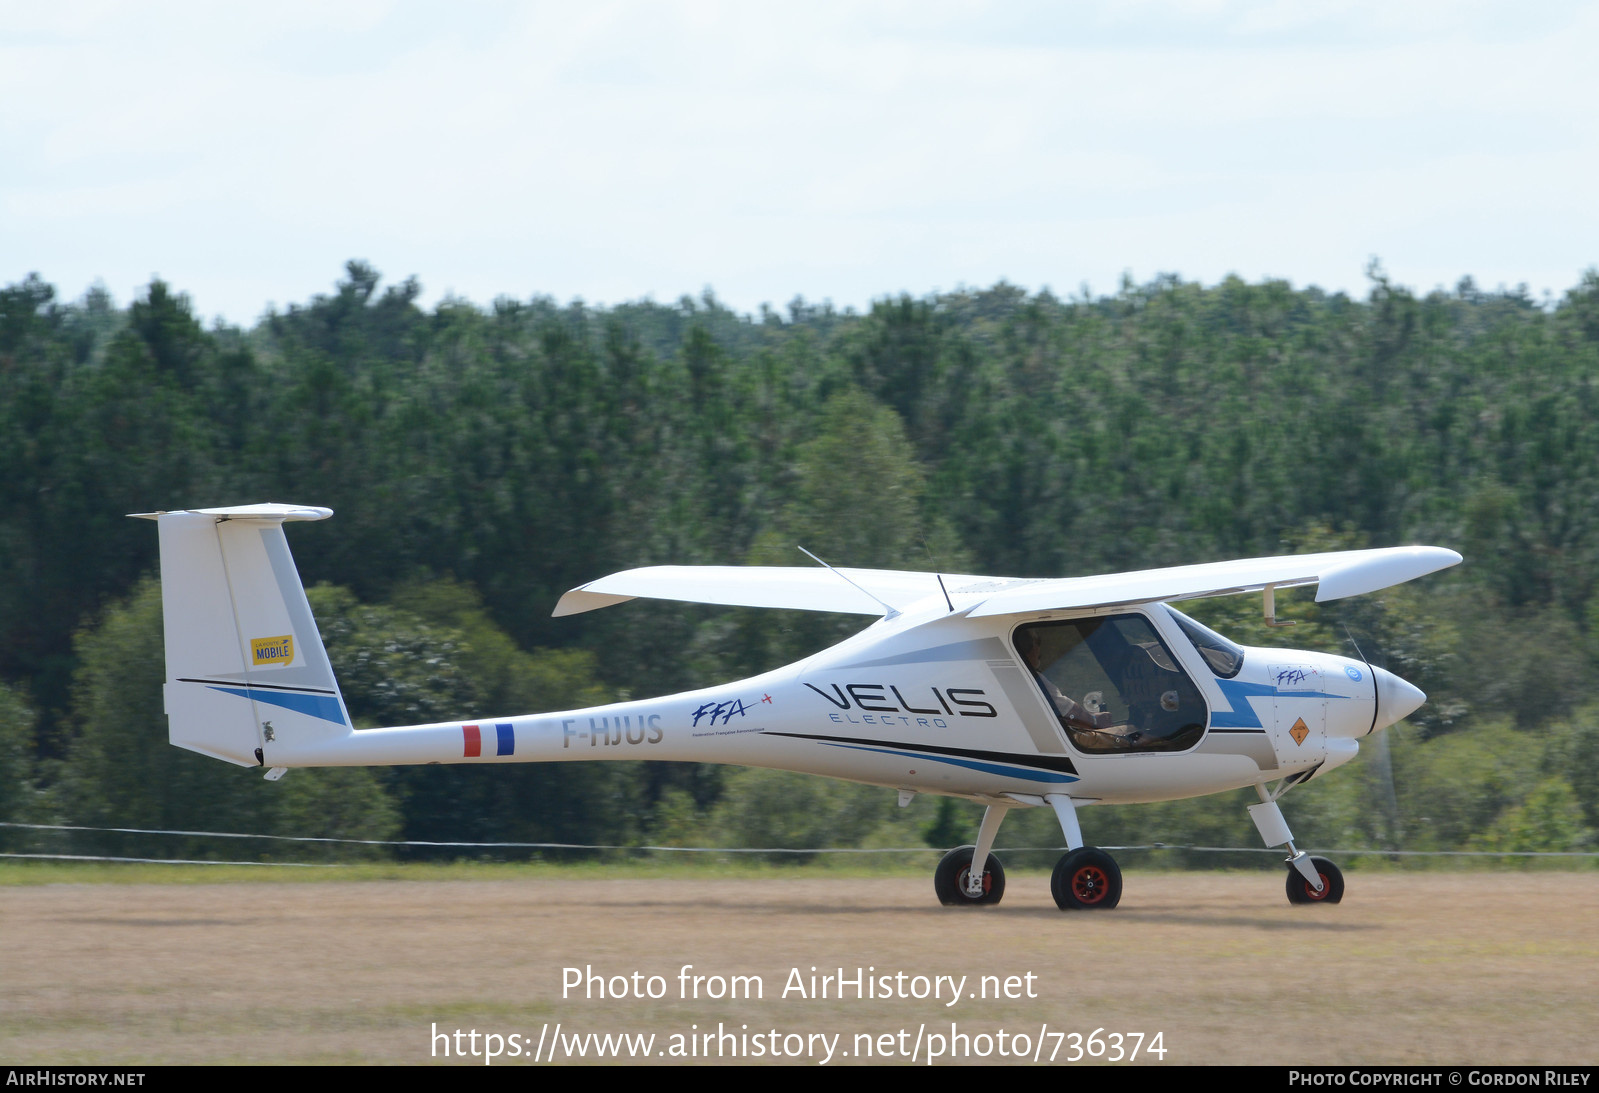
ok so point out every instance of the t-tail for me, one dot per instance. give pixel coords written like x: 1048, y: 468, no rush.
x: 249, y: 682
x: 245, y: 664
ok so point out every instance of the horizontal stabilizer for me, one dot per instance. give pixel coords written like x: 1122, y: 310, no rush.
x: 270, y: 510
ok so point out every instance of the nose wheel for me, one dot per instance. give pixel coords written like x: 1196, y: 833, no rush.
x: 1086, y: 879
x: 951, y: 879
x: 1332, y: 883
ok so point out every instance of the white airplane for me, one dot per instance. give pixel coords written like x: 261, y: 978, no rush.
x: 1013, y: 692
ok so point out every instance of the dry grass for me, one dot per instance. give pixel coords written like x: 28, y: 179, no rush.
x: 1411, y: 968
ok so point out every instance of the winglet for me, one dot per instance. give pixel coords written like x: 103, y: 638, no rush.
x: 1380, y: 569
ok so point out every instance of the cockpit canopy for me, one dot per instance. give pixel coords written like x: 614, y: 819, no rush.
x: 1115, y: 685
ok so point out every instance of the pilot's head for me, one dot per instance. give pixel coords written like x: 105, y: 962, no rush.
x: 1027, y: 644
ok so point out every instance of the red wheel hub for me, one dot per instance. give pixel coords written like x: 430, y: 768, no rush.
x: 1090, y: 885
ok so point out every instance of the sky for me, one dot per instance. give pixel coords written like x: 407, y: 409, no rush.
x: 614, y: 151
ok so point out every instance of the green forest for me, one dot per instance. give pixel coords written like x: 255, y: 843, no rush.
x: 483, y: 460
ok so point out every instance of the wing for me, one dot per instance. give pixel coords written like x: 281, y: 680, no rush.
x: 798, y: 587
x: 1339, y: 574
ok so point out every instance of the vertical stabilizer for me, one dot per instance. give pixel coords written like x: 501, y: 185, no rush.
x: 245, y: 663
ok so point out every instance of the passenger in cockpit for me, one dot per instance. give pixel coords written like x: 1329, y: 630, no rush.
x: 1072, y: 713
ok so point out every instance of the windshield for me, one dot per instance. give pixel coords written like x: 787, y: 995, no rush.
x: 1223, y: 656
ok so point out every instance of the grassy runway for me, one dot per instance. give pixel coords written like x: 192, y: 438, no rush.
x: 1412, y: 968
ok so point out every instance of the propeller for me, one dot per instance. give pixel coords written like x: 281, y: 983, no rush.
x: 1384, y: 756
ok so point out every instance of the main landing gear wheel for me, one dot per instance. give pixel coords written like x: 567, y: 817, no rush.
x: 1332, y: 884
x: 1087, y: 879
x: 949, y: 879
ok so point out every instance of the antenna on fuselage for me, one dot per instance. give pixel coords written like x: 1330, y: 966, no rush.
x: 889, y: 612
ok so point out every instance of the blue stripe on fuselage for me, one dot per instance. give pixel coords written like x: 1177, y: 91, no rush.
x: 1029, y: 773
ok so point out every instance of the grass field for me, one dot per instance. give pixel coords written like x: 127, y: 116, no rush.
x: 1498, y: 967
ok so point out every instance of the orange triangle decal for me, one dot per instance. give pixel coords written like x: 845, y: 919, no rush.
x: 1299, y: 731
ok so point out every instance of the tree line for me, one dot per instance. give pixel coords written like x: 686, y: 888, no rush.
x: 482, y: 460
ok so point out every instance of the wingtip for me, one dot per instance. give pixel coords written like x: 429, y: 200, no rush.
x: 579, y: 600
x: 1373, y: 570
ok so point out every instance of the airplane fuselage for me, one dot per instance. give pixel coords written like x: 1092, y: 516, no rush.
x: 930, y: 702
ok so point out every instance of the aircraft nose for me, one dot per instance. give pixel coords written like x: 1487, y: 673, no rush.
x: 1396, y: 699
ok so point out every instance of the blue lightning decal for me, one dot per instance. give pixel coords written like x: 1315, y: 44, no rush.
x: 1242, y: 715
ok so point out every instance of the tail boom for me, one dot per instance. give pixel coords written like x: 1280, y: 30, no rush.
x: 624, y: 731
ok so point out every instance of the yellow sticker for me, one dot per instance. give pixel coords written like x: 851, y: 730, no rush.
x: 278, y: 650
x: 1299, y: 731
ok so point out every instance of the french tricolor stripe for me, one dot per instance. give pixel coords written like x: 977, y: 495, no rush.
x: 507, y: 739
x: 474, y: 741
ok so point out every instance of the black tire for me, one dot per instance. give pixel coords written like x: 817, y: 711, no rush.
x: 1332, y: 884
x: 1086, y: 879
x: 949, y: 879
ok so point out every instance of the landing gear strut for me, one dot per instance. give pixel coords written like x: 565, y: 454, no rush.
x: 970, y: 875
x: 1310, y: 880
x: 1087, y: 878
x: 1332, y: 883
x: 954, y: 873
